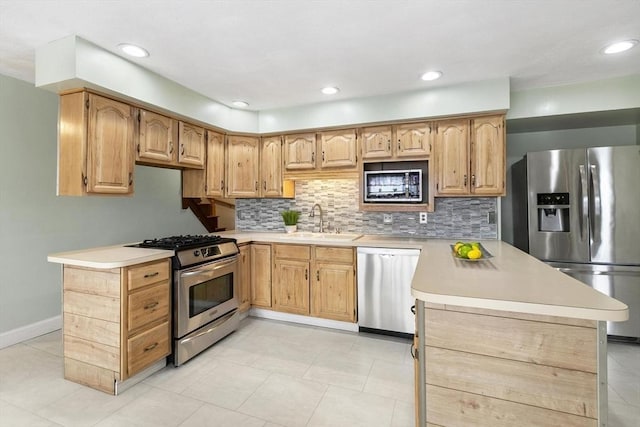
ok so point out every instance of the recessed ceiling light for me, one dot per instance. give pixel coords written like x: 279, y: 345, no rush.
x: 431, y: 75
x: 330, y: 90
x: 620, y: 46
x: 240, y: 104
x: 133, y: 50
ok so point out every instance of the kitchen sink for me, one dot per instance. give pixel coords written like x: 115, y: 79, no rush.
x: 334, y: 237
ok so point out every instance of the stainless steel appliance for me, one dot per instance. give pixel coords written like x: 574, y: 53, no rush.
x: 393, y: 186
x: 384, y: 290
x: 584, y: 219
x: 205, y: 304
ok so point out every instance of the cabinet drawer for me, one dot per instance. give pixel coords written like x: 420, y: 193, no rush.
x: 147, y: 348
x: 292, y: 252
x: 327, y: 253
x: 146, y: 274
x: 148, y: 305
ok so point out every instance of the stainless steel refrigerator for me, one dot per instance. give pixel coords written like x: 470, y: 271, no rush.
x: 584, y: 219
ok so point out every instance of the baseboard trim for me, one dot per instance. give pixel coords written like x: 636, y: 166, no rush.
x: 305, y: 320
x: 28, y: 332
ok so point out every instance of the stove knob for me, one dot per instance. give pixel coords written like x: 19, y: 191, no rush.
x: 196, y: 253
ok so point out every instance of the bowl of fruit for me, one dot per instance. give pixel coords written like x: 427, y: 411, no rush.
x: 470, y: 251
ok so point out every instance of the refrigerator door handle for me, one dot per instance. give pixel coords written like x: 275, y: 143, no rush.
x: 584, y: 190
x: 596, y: 217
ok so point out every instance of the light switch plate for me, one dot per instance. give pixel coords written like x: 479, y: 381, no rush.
x: 423, y: 217
x: 387, y: 218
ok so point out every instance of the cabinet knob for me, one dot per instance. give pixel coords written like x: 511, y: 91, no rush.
x: 151, y: 347
x: 306, y: 274
x: 264, y: 185
x: 313, y: 157
x: 473, y: 180
x: 256, y: 185
x: 170, y: 147
x: 182, y: 149
x: 465, y: 180
x: 130, y: 178
x: 318, y: 275
x: 399, y: 145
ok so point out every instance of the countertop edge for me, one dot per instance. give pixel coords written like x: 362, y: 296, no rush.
x: 524, y: 307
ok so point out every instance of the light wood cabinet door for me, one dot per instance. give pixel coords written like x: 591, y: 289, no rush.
x: 338, y: 149
x: 300, y: 151
x: 452, y: 145
x: 333, y: 291
x: 244, y: 277
x: 110, y: 147
x: 376, y: 142
x: 271, y: 167
x: 413, y: 140
x: 488, y: 156
x: 215, y: 164
x: 192, y: 148
x: 156, y: 138
x: 243, y: 156
x: 260, y: 259
x: 291, y: 286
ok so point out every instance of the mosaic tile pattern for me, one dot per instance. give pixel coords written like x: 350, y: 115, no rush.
x: 462, y: 218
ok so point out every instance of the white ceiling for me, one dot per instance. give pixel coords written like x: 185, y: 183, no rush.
x: 280, y: 53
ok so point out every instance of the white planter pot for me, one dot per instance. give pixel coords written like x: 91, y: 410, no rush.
x: 290, y: 228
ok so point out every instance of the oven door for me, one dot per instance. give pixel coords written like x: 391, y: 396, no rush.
x: 204, y: 293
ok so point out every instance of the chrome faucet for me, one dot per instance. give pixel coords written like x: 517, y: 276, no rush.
x: 312, y: 214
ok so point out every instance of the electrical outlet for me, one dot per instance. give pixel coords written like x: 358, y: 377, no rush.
x: 387, y: 218
x: 423, y: 217
x: 491, y: 217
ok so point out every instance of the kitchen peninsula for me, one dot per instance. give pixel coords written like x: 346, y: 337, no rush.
x: 508, y: 341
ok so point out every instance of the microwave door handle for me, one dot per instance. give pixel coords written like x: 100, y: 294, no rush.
x: 584, y: 205
x: 596, y: 221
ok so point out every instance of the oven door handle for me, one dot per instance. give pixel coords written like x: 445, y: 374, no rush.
x: 215, y: 265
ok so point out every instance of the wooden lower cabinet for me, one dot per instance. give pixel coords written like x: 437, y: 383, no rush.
x: 244, y: 277
x: 260, y: 260
x: 494, y: 368
x: 315, y: 280
x: 116, y: 322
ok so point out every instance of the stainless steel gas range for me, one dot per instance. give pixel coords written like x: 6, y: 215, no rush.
x: 205, y: 304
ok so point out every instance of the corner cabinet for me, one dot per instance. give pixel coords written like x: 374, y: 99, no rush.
x: 117, y: 322
x: 260, y: 259
x: 271, y: 167
x: 95, y: 145
x: 471, y: 157
x: 243, y: 156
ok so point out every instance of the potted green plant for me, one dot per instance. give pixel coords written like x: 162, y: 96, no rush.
x: 290, y: 219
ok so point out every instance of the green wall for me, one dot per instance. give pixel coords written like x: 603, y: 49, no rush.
x: 34, y: 222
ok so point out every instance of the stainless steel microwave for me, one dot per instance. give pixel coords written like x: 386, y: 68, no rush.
x: 400, y: 186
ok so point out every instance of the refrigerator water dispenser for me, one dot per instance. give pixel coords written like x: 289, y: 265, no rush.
x: 553, y: 212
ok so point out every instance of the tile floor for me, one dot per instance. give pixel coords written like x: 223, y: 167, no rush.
x: 267, y: 374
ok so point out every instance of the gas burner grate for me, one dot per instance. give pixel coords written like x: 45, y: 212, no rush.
x: 181, y: 242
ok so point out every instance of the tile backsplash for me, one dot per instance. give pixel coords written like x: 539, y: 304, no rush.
x: 461, y: 217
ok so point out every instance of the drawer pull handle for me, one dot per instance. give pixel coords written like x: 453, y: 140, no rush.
x: 154, y: 274
x: 151, y: 305
x: 151, y: 347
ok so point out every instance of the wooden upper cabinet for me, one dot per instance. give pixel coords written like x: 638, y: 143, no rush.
x: 110, y: 146
x: 338, y: 149
x: 376, y: 142
x: 156, y: 138
x: 452, y: 147
x: 192, y: 147
x: 488, y: 156
x: 271, y: 167
x: 300, y: 151
x: 413, y: 140
x: 243, y: 156
x: 215, y: 164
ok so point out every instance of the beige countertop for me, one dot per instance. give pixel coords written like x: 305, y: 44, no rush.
x: 512, y: 280
x: 109, y: 257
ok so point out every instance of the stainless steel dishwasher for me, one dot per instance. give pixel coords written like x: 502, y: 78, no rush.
x: 384, y: 290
